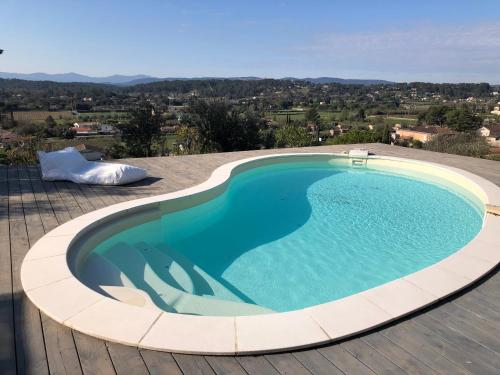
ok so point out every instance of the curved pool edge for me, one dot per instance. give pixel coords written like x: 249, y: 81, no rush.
x: 50, y: 284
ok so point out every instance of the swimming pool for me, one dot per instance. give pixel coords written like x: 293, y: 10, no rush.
x: 287, y: 236
x: 270, y: 253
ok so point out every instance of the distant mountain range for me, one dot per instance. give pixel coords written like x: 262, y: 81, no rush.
x: 325, y: 80
x: 75, y: 77
x: 125, y: 80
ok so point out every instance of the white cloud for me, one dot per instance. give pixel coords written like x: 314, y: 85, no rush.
x: 455, y: 53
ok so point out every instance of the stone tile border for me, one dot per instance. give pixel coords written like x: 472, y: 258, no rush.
x: 50, y: 283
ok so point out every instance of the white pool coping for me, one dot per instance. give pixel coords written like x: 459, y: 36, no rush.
x: 50, y: 284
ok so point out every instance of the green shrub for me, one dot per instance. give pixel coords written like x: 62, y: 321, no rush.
x: 25, y: 155
x: 292, y: 136
x: 459, y: 144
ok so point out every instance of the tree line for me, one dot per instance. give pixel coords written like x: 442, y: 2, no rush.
x: 217, y: 126
x: 460, y: 119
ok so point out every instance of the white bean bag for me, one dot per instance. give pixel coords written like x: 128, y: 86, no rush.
x: 69, y: 164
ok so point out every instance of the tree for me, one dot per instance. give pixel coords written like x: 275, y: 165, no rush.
x: 142, y: 131
x: 386, y: 134
x: 292, y: 136
x: 69, y: 133
x: 435, y: 115
x: 359, y: 115
x: 50, y: 122
x: 188, y: 141
x: 463, y: 120
x: 30, y: 129
x: 313, y: 116
x: 223, y: 128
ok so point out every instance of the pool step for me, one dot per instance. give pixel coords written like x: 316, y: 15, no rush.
x: 175, y: 274
x: 358, y: 162
x: 203, y: 283
x: 97, y: 271
x: 132, y: 296
x: 133, y: 268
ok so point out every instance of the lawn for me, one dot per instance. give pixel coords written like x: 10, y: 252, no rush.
x: 280, y: 116
x: 41, y: 115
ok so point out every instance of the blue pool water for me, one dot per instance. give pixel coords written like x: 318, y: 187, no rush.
x: 292, y: 235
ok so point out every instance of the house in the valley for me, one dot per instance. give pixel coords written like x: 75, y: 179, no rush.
x: 496, y: 110
x: 107, y: 129
x: 8, y: 138
x: 93, y: 128
x: 491, y: 133
x: 340, y: 129
x: 421, y: 133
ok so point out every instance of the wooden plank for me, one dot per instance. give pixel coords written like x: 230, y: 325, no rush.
x: 84, y: 202
x: 153, y: 168
x: 193, y: 364
x: 485, y: 308
x: 61, y: 351
x: 99, y: 200
x: 256, y: 365
x: 160, y: 363
x: 7, y: 335
x: 472, y: 351
x: 32, y: 218
x: 429, y: 348
x: 469, y: 324
x: 87, y: 195
x: 93, y: 355
x: 396, y: 354
x: 286, y: 363
x: 81, y: 200
x: 126, y: 359
x: 344, y: 360
x: 30, y: 348
x: 47, y: 214
x: 491, y: 287
x: 55, y: 201
x: 316, y: 363
x: 71, y: 205
x: 225, y: 365
x: 372, y: 359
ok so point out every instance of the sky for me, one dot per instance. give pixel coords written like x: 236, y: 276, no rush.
x: 434, y: 41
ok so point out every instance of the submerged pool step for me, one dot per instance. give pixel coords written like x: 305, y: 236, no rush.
x: 358, y: 163
x: 134, y: 268
x: 164, y: 266
x: 202, y: 283
x: 97, y: 271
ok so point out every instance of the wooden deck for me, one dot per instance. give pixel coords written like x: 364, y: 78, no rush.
x: 459, y: 336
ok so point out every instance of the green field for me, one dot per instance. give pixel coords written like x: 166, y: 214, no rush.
x: 393, y: 120
x: 280, y: 116
x: 41, y: 115
x: 171, y: 138
x: 102, y: 116
x: 330, y: 116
